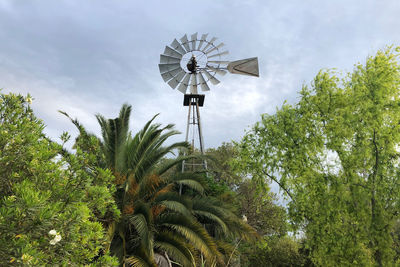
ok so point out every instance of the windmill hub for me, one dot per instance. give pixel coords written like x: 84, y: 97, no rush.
x: 199, y: 57
x: 192, y: 65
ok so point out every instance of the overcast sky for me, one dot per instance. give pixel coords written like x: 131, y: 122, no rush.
x: 88, y: 57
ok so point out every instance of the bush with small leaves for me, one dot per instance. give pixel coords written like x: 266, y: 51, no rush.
x: 53, y: 203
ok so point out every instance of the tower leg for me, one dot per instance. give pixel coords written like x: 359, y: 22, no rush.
x: 187, y: 136
x: 200, y: 134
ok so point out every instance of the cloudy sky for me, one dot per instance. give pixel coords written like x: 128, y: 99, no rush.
x: 88, y: 57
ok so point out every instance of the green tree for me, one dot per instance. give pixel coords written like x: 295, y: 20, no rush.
x: 336, y: 156
x: 255, y: 203
x: 50, y: 206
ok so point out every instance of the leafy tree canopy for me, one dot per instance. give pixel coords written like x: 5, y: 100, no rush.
x: 258, y: 206
x: 336, y: 156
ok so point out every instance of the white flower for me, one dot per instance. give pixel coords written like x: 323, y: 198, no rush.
x: 57, y: 238
x: 53, y: 232
x: 244, y: 217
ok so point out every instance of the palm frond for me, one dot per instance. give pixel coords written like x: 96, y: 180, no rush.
x: 175, y: 206
x: 226, y: 248
x: 174, y: 196
x: 208, y: 204
x: 144, y: 218
x: 195, y: 181
x: 192, y: 231
x: 210, y: 211
x: 110, y: 235
x: 145, y: 150
x: 212, y: 217
x: 75, y: 122
x: 195, y: 185
x: 136, y: 261
x: 185, y: 248
x: 83, y: 133
x: 174, y: 252
x: 142, y: 228
x: 174, y: 202
x: 115, y: 133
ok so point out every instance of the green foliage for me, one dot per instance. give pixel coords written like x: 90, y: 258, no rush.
x: 43, y: 191
x: 219, y: 189
x: 274, y: 252
x: 254, y: 202
x: 220, y: 166
x: 336, y: 156
x: 396, y: 238
x: 268, y: 218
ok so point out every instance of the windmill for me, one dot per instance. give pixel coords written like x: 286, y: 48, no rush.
x: 192, y: 64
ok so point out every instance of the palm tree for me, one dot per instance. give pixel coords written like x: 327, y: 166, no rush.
x: 144, y: 197
x: 136, y: 163
x: 156, y: 221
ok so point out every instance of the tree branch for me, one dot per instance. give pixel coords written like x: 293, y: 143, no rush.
x: 279, y: 183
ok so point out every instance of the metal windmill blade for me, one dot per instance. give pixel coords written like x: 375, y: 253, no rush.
x: 203, y: 83
x: 176, y: 79
x: 172, y: 53
x: 209, y: 43
x: 214, y: 48
x: 218, y: 62
x: 202, y: 39
x: 170, y: 74
x: 193, y: 62
x: 168, y: 67
x: 211, y: 78
x: 164, y: 59
x: 185, y: 43
x: 184, y: 83
x: 178, y: 47
x: 219, y: 71
x: 193, y: 40
x: 219, y: 54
